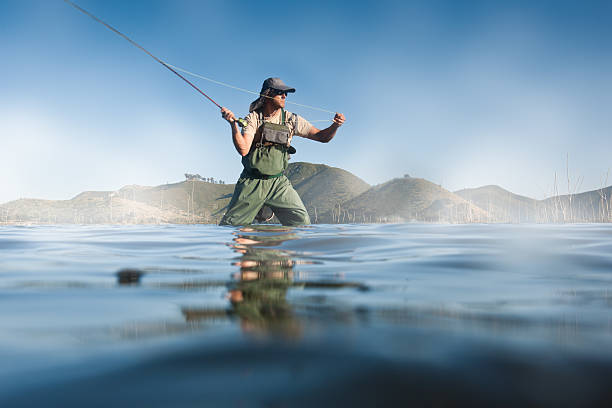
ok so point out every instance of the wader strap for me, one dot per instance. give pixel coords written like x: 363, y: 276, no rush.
x: 260, y: 116
x: 260, y: 121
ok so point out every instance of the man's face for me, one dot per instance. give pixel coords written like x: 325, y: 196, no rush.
x: 278, y: 98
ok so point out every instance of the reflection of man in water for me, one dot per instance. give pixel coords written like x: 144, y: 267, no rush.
x: 258, y: 291
x: 259, y: 295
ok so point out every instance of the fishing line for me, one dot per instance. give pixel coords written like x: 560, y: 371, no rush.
x: 242, y: 89
x: 174, y: 69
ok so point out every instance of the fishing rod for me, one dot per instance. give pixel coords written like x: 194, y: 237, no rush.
x: 240, y: 121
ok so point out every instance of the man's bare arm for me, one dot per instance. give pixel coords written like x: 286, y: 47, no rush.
x: 325, y: 135
x: 242, y: 143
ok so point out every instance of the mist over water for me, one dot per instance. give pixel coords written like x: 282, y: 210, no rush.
x: 423, y: 314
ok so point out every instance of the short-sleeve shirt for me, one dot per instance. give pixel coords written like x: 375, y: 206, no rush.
x: 297, y: 125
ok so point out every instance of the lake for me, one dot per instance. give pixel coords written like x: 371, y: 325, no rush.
x: 327, y: 315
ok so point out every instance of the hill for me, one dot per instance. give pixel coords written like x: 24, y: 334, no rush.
x: 198, y: 200
x: 502, y: 205
x: 407, y: 199
x: 322, y: 187
x: 87, y: 208
x: 590, y: 206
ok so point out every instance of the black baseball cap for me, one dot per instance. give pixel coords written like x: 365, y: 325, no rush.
x: 270, y: 83
x: 276, y: 83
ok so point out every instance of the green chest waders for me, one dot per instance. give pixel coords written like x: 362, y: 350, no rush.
x: 270, y: 156
x: 261, y: 182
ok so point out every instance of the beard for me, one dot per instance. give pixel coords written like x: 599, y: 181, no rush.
x: 278, y: 103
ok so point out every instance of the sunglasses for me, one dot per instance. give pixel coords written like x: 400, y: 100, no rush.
x: 276, y: 92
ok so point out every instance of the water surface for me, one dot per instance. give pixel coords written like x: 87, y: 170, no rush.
x: 364, y: 314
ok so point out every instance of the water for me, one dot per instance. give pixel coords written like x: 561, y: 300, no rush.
x: 409, y: 314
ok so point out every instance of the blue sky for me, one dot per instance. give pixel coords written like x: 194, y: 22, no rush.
x: 462, y: 93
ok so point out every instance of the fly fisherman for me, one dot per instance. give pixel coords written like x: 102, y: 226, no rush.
x: 265, y: 146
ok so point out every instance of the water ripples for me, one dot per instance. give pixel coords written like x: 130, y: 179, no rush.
x: 111, y: 288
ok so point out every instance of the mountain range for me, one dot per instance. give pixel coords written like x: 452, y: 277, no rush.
x: 331, y: 195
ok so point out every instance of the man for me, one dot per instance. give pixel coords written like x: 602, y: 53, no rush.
x: 265, y: 145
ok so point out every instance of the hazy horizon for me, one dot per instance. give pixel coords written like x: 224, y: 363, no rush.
x: 561, y: 187
x: 463, y: 95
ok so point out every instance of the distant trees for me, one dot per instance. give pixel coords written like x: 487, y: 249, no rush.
x: 193, y: 176
x: 212, y: 180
